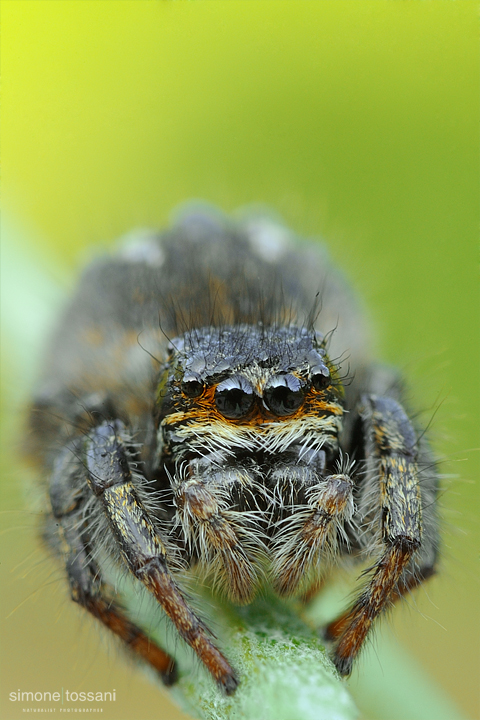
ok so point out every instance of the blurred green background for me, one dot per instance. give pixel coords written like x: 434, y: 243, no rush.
x: 357, y: 122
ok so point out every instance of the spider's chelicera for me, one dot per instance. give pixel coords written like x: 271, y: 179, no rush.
x: 231, y: 442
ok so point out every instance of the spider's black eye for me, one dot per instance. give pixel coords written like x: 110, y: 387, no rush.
x: 320, y: 376
x: 234, y: 397
x: 191, y: 385
x: 283, y: 394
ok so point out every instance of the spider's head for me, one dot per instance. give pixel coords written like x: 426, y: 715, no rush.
x: 248, y: 393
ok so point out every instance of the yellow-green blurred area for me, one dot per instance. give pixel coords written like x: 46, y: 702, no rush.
x: 355, y: 121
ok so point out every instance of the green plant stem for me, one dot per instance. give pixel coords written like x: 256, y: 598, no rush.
x: 284, y: 669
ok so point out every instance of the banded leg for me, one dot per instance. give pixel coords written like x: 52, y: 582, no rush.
x: 86, y: 586
x: 336, y: 628
x: 307, y: 536
x: 392, y: 486
x: 142, y: 548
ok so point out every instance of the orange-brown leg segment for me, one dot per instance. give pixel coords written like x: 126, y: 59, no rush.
x: 391, y: 485
x: 86, y: 586
x: 141, y: 546
x: 336, y: 628
x: 353, y: 627
x: 88, y: 591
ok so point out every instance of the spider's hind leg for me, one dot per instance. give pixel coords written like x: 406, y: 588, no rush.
x: 86, y: 585
x: 396, y: 510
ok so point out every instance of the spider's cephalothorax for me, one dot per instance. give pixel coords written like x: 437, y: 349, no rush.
x: 248, y: 426
x: 189, y: 415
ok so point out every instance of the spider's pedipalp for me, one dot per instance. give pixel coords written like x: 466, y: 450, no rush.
x: 307, y: 536
x: 228, y: 541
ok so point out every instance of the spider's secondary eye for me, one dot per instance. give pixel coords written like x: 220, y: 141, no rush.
x: 283, y: 394
x: 320, y: 376
x: 191, y: 386
x: 234, y: 397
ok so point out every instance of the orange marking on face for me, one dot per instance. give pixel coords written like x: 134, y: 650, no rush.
x: 205, y: 410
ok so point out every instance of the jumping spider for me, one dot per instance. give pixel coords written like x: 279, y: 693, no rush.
x: 197, y: 410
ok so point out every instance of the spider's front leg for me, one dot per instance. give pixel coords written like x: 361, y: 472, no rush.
x: 86, y: 585
x: 142, y: 548
x: 396, y: 509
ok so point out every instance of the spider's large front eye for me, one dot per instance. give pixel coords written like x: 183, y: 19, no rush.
x: 234, y: 397
x: 283, y: 394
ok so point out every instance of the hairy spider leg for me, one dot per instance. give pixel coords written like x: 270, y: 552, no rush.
x: 86, y: 585
x: 142, y: 548
x: 391, y: 466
